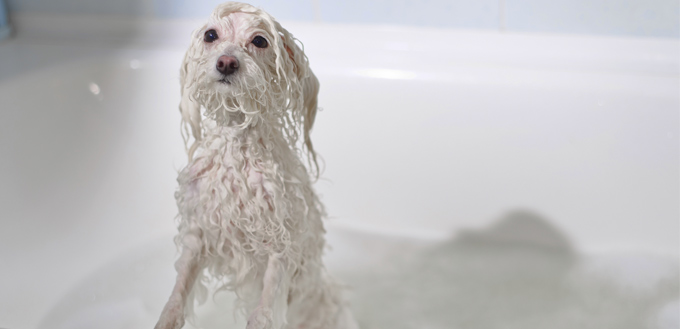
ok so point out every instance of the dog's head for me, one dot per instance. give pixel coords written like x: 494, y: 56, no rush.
x: 245, y: 69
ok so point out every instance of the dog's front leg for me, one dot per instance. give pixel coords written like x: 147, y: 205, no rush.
x: 188, y: 268
x: 270, y: 312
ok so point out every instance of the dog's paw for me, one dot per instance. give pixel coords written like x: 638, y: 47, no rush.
x: 177, y: 323
x: 172, y: 317
x: 261, y: 318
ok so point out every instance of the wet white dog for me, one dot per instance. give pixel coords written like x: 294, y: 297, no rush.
x: 249, y: 217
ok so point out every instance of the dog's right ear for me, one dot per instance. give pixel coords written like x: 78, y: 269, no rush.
x: 188, y: 106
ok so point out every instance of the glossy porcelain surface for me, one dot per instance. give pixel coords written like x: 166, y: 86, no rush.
x: 473, y: 179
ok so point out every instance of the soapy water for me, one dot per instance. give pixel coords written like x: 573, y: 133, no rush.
x: 519, y: 273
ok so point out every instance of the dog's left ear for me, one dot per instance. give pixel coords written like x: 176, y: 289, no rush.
x: 310, y: 90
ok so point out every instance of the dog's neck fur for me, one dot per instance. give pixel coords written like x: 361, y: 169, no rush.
x: 235, y: 125
x: 227, y: 119
x: 256, y: 141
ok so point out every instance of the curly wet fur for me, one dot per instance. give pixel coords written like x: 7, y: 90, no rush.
x: 248, y: 216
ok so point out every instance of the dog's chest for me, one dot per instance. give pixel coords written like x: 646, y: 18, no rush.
x: 229, y: 178
x: 241, y: 177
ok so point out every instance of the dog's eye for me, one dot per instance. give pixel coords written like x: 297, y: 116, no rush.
x: 210, y: 36
x: 260, y: 42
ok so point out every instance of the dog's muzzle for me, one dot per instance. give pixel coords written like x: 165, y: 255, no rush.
x: 227, y: 64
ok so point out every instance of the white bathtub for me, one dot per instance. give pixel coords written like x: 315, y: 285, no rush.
x: 432, y: 140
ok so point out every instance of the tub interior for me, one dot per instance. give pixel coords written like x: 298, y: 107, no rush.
x: 490, y: 181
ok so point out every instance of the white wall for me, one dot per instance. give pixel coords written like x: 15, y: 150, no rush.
x: 655, y: 18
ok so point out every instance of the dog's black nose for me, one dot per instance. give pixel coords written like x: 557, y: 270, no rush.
x: 227, y: 64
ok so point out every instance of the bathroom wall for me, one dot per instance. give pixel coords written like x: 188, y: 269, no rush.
x: 654, y: 18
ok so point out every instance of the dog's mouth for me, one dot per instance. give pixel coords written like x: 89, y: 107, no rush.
x: 224, y: 81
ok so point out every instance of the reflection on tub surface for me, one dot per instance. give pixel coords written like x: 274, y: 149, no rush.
x: 521, y: 272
